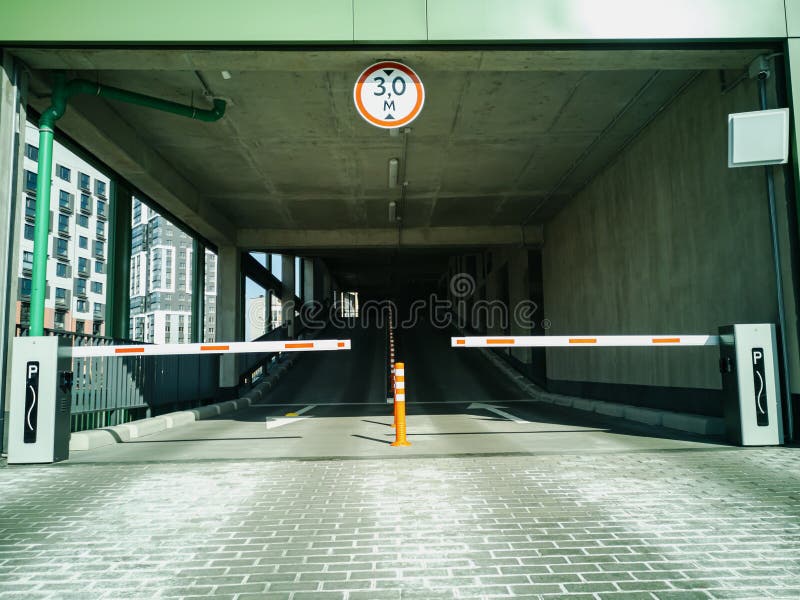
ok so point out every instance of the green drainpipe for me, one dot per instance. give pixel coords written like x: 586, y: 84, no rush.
x: 62, y: 92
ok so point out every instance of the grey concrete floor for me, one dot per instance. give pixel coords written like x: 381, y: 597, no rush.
x: 708, y: 523
x: 552, y: 504
x: 341, y: 398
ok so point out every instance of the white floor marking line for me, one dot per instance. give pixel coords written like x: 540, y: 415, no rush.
x: 495, y: 410
x: 273, y: 422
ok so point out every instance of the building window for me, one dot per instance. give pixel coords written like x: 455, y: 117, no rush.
x: 100, y: 188
x: 97, y: 287
x: 86, y: 203
x: 83, y: 242
x: 59, y: 319
x: 99, y: 267
x: 84, y: 181
x: 63, y: 224
x: 24, y: 313
x: 27, y: 261
x: 30, y: 207
x: 63, y: 172
x: 65, y: 200
x: 30, y: 181
x: 80, y: 327
x: 80, y: 287
x: 61, y: 295
x: 99, y: 309
x: 101, y: 208
x: 82, y: 306
x: 25, y: 286
x: 62, y: 248
x: 82, y: 221
x: 99, y: 247
x: 32, y: 152
x: 28, y: 231
x: 61, y: 269
x: 101, y: 229
x: 83, y: 266
x: 97, y: 327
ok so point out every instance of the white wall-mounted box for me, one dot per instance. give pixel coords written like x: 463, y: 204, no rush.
x: 758, y: 138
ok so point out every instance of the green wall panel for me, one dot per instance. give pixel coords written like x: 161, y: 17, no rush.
x: 604, y: 19
x: 793, y: 17
x: 165, y: 21
x: 389, y: 20
x: 287, y: 21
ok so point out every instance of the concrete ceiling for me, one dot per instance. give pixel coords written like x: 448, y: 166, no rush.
x: 505, y: 137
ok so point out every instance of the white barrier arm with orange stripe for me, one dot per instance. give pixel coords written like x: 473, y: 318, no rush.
x: 572, y: 341
x: 210, y: 348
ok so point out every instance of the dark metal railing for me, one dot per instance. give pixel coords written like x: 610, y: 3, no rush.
x: 113, y: 390
x: 257, y: 365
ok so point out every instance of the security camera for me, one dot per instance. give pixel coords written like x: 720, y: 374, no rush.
x: 760, y: 68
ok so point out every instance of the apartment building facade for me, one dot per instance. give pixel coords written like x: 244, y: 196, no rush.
x: 161, y: 281
x: 77, y: 244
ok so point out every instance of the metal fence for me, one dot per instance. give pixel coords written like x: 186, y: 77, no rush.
x: 254, y: 366
x: 114, y: 390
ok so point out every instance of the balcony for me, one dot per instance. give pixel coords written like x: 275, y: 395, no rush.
x: 80, y: 291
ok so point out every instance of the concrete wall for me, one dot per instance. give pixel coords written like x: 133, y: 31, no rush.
x: 13, y: 96
x: 666, y: 240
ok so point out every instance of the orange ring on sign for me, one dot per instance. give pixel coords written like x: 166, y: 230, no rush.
x: 380, y: 122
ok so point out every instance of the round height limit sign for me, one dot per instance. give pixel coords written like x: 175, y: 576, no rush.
x: 389, y: 95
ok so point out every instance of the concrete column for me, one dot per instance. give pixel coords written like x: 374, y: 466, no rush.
x: 198, y: 290
x: 230, y: 323
x: 308, y: 279
x: 791, y: 292
x: 12, y: 121
x: 287, y: 298
x: 118, y: 302
x: 327, y: 287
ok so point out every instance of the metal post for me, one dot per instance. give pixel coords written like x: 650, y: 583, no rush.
x: 776, y: 255
x: 198, y: 290
x: 118, y: 278
x: 62, y: 91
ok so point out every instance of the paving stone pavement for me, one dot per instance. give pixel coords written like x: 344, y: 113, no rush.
x: 721, y: 523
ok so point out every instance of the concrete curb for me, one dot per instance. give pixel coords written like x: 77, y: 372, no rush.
x: 97, y: 438
x: 698, y: 424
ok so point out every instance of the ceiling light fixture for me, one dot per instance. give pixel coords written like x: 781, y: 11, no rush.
x: 225, y: 74
x: 394, y: 167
